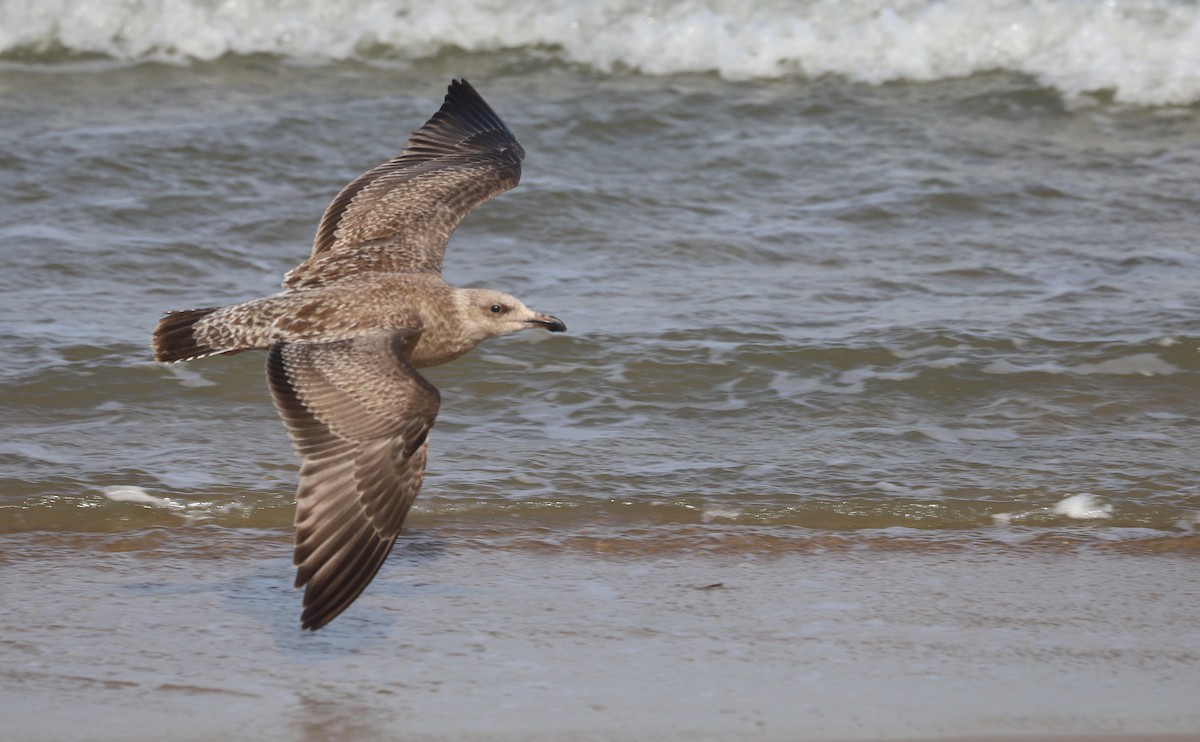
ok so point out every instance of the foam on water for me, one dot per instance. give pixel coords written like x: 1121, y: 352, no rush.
x: 139, y: 496
x: 754, y: 356
x: 1083, y: 506
x: 1145, y: 53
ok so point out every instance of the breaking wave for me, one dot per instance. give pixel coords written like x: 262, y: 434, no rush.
x: 1144, y: 52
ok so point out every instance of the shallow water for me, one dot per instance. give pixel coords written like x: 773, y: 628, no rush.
x: 174, y: 640
x: 909, y: 369
x: 804, y: 306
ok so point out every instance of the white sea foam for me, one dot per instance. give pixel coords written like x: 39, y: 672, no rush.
x: 187, y: 376
x: 1144, y: 52
x: 138, y: 495
x: 714, y: 514
x: 1084, y: 506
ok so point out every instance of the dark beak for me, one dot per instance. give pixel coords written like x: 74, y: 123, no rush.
x: 553, y: 324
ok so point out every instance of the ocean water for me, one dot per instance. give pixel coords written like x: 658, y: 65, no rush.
x: 835, y: 273
x: 877, y: 416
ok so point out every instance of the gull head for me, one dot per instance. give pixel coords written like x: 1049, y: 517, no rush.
x: 492, y: 313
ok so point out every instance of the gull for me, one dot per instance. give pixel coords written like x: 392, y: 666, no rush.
x: 355, y: 321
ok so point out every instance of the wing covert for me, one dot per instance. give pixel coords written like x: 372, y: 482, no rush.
x: 358, y: 415
x: 399, y: 216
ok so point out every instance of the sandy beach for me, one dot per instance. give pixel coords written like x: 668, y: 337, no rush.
x: 181, y: 641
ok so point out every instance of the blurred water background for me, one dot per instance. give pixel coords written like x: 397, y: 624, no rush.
x: 836, y: 273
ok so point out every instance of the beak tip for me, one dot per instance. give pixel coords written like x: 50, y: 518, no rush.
x: 547, y: 322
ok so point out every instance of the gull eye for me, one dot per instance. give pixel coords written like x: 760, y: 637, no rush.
x: 499, y: 309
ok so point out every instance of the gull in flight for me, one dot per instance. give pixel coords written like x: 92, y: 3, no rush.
x: 355, y: 321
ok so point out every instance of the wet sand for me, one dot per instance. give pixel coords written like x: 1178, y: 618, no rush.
x: 194, y: 636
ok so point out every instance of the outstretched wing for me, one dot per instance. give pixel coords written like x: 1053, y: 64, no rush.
x: 358, y: 414
x: 398, y: 217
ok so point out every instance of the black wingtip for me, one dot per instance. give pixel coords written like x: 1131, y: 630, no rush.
x: 462, y: 97
x: 460, y: 83
x: 464, y: 122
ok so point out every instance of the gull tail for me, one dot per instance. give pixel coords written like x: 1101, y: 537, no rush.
x: 175, y: 336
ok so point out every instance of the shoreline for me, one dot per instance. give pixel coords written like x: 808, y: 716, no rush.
x: 478, y: 644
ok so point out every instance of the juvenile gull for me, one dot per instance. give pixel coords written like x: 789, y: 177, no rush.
x: 353, y: 323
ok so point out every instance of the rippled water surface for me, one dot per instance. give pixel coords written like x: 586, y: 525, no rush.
x: 798, y: 308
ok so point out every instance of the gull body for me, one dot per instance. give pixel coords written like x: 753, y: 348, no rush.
x: 355, y: 321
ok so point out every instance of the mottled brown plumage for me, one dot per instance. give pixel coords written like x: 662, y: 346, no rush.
x: 346, y: 335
